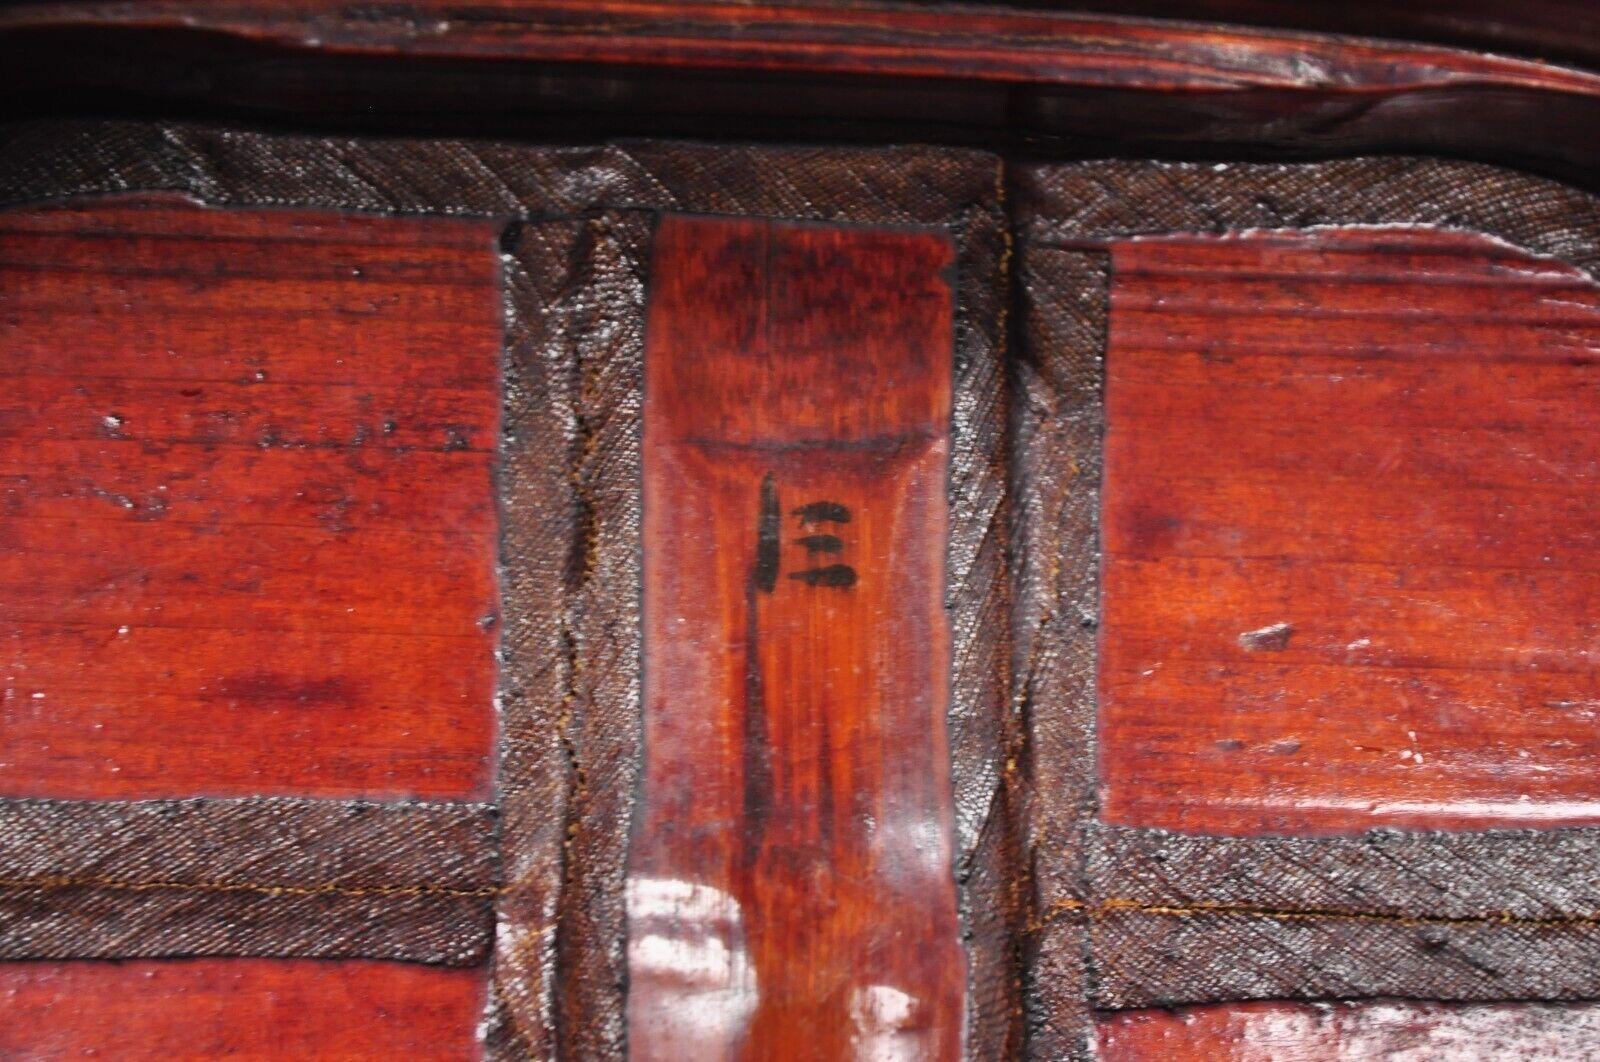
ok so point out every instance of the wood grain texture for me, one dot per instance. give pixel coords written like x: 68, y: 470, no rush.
x: 575, y: 252
x: 824, y: 70
x: 247, y: 508
x: 894, y: 40
x: 1187, y: 918
x: 1350, y: 532
x: 1540, y: 29
x: 572, y: 710
x: 256, y: 1009
x: 1332, y: 1032
x: 791, y: 889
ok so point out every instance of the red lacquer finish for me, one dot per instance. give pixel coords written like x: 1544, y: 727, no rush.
x: 822, y: 68
x: 1043, y: 47
x: 1337, y: 1032
x: 247, y: 522
x: 790, y: 887
x: 282, y: 1010
x: 1351, y: 531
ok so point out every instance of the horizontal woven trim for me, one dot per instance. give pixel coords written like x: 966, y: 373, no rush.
x: 1451, y: 916
x: 908, y: 185
x: 1122, y: 199
x: 261, y: 877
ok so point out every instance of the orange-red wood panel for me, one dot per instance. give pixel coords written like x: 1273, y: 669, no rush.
x: 1047, y: 47
x: 247, y: 521
x: 790, y: 885
x: 1352, y: 535
x: 248, y: 1009
x: 1336, y: 1032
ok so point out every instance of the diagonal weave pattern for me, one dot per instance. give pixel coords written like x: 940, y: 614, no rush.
x: 574, y: 310
x: 246, y: 877
x: 1112, y: 200
x: 571, y: 555
x: 1170, y: 919
x: 1056, y: 466
x: 888, y: 186
x: 1475, y: 916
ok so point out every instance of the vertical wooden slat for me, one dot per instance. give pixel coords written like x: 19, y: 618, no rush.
x: 790, y: 888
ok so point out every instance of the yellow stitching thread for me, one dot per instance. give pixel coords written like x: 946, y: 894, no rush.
x: 1056, y: 911
x: 69, y: 882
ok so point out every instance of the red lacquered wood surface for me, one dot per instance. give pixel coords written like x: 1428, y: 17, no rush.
x: 1044, y: 47
x: 1547, y: 29
x: 258, y: 1009
x: 980, y: 73
x: 1345, y: 1032
x: 247, y: 523
x: 1351, y: 535
x: 790, y: 886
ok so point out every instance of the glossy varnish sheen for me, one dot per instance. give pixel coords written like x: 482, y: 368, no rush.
x: 790, y: 887
x: 997, y: 44
x: 964, y: 70
x: 246, y: 512
x: 1351, y: 533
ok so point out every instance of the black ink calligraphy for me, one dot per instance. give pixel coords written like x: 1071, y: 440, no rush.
x: 816, y: 543
x: 768, y: 535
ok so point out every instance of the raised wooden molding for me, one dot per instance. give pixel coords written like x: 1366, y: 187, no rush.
x: 880, y: 40
x: 1149, y: 84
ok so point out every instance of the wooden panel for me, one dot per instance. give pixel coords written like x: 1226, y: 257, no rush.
x: 1351, y: 535
x: 246, y: 509
x: 1061, y: 48
x: 790, y: 886
x: 1297, y: 1032
x: 946, y: 71
x: 1548, y: 29
x: 256, y: 1009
